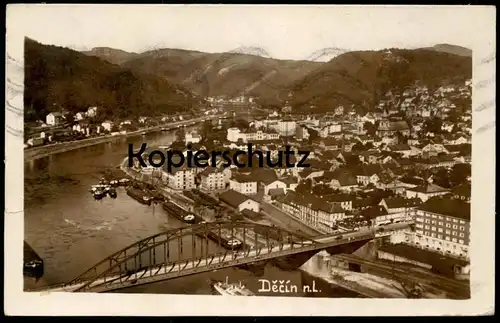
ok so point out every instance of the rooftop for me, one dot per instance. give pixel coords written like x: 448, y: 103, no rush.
x: 462, y: 190
x: 399, y: 202
x: 429, y: 188
x: 233, y: 198
x: 447, y: 206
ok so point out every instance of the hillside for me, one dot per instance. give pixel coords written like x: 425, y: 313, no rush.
x: 57, y: 77
x: 451, y: 49
x: 112, y: 55
x: 361, y: 78
x: 230, y: 74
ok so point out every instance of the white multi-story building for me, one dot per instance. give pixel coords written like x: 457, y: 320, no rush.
x: 212, y: 179
x: 235, y: 134
x: 443, y: 225
x: 179, y: 178
x: 243, y: 184
x: 193, y: 138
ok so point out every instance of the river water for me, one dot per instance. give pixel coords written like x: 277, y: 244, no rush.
x: 71, y: 231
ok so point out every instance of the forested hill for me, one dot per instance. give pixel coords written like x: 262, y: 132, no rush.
x: 361, y: 78
x: 60, y: 78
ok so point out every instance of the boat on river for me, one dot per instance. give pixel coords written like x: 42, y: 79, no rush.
x: 233, y: 289
x: 112, y: 193
x: 181, y: 213
x: 33, y: 264
x: 124, y: 181
x: 99, y: 194
x: 139, y: 195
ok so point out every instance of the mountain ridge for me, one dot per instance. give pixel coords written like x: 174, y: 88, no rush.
x: 350, y: 78
x: 58, y: 77
x: 358, y: 80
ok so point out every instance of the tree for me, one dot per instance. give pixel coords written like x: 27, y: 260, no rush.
x: 180, y: 134
x: 206, y: 129
x: 304, y: 187
x: 240, y: 124
x: 459, y: 173
x: 321, y: 190
x: 115, y: 128
x: 352, y: 160
x: 370, y: 128
x: 441, y: 178
x: 358, y: 147
x: 433, y: 125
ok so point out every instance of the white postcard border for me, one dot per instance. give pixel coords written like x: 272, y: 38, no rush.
x: 482, y: 248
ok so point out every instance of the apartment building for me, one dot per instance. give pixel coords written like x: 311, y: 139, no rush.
x: 443, y: 225
x: 312, y: 210
x: 212, y: 179
x: 244, y: 184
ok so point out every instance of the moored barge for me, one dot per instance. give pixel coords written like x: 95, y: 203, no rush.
x: 180, y: 213
x: 139, y: 195
x: 33, y: 263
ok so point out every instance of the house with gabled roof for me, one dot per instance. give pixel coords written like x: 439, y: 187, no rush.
x: 239, y: 201
x: 426, y: 191
x: 366, y: 174
x: 312, y: 210
x: 244, y: 184
x: 400, y: 204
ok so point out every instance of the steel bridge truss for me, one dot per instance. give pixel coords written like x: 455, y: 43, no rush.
x: 187, y: 250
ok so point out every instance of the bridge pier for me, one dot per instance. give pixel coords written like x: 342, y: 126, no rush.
x: 293, y: 262
x: 346, y: 248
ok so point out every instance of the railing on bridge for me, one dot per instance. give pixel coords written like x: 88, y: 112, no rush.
x: 180, y: 248
x: 185, y: 251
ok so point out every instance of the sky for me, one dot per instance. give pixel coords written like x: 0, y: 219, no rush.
x: 285, y: 32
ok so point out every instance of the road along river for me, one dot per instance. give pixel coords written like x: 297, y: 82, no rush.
x: 71, y: 231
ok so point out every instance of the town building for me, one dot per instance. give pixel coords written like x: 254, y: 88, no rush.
x: 91, y: 112
x: 425, y: 192
x: 443, y: 225
x: 390, y: 128
x: 179, y: 178
x: 244, y: 184
x: 312, y: 210
x: 212, y: 179
x: 193, y: 138
x: 108, y: 125
x: 54, y: 119
x: 239, y: 201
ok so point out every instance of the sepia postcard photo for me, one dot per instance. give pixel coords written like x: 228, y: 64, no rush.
x: 249, y: 160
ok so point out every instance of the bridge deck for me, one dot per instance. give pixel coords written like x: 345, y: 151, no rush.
x: 185, y: 268
x: 174, y: 269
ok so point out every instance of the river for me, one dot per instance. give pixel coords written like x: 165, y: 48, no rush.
x: 71, y: 231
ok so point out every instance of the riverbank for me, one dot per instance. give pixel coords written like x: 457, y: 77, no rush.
x: 47, y: 150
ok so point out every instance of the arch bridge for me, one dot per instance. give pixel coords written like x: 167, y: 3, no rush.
x: 187, y: 250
